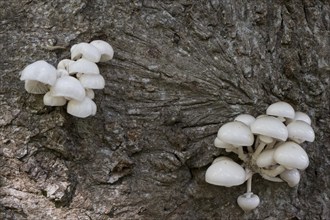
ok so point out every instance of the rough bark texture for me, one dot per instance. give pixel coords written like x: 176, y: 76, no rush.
x: 181, y: 69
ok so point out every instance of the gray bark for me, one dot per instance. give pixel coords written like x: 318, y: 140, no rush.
x: 181, y: 70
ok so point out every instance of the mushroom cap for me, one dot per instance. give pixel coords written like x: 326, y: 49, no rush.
x: 292, y: 177
x: 225, y: 173
x: 40, y: 71
x: 105, y: 49
x: 248, y: 201
x: 35, y: 87
x: 86, y: 51
x: 221, y: 144
x: 83, y: 66
x: 68, y: 86
x: 291, y: 156
x: 300, y: 131
x: 220, y: 159
x: 271, y: 127
x: 91, y: 81
x: 245, y: 118
x: 53, y: 101
x: 81, y: 109
x: 236, y: 133
x: 266, y: 158
x: 281, y: 109
x: 301, y: 116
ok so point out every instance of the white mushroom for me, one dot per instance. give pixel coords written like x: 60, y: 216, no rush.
x: 92, y: 81
x: 290, y: 156
x: 68, y: 87
x: 86, y: 51
x: 83, y: 66
x: 225, y: 173
x: 281, y: 109
x: 248, y: 201
x: 292, y: 177
x: 300, y: 131
x: 237, y: 134
x: 81, y: 109
x: 90, y: 93
x: 37, y: 75
x: 268, y: 128
x: 105, y: 49
x: 53, y: 101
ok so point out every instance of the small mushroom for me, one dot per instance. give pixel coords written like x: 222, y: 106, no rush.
x: 292, y: 177
x: 37, y: 75
x: 83, y: 66
x: 81, y: 109
x: 92, y: 81
x: 221, y: 144
x: 301, y: 116
x: 90, y: 93
x: 237, y: 134
x: 53, y: 101
x: 248, y: 201
x: 225, y: 173
x: 68, y: 87
x: 281, y: 109
x: 86, y: 51
x: 268, y: 128
x: 300, y: 131
x: 290, y: 156
x: 105, y: 49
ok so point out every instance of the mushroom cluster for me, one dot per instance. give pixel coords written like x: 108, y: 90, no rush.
x: 73, y: 81
x: 268, y: 144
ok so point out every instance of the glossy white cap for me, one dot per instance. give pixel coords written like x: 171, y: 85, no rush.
x: 281, y: 109
x: 81, y: 109
x: 221, y: 144
x: 53, y: 101
x: 291, y: 156
x: 225, y: 173
x: 91, y: 81
x: 300, y: 131
x: 83, y: 66
x: 40, y: 71
x: 86, y: 51
x: 292, y: 177
x: 248, y: 201
x: 220, y: 159
x: 236, y: 133
x: 271, y: 127
x: 64, y: 64
x: 69, y: 87
x: 105, y: 49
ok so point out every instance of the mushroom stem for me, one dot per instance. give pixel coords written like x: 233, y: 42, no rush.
x: 274, y: 172
x: 241, y: 154
x: 260, y: 147
x: 249, y: 184
x: 271, y: 145
x: 250, y: 149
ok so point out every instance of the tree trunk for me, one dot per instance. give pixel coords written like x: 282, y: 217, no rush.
x: 181, y: 69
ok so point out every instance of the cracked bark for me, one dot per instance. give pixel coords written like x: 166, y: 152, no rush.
x: 181, y: 69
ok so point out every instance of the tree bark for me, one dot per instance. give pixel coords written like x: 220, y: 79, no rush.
x: 181, y: 69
